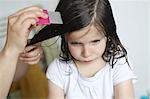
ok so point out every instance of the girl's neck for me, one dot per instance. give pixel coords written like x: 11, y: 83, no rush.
x: 90, y: 69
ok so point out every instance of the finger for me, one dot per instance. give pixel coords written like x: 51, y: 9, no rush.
x: 31, y: 59
x: 32, y: 50
x: 11, y: 20
x: 31, y: 8
x: 34, y: 9
x: 32, y: 14
x: 35, y: 47
x: 38, y: 44
x: 32, y: 54
x: 23, y: 16
x: 31, y: 62
x: 15, y: 27
x: 28, y: 25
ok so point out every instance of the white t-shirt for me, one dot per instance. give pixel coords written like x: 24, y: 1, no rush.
x: 100, y: 86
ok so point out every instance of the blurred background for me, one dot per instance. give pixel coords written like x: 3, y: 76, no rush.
x: 133, y: 26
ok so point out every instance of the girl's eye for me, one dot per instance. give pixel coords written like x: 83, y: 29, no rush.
x: 95, y: 42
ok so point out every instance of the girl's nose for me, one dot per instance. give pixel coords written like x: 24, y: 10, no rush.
x: 86, y: 51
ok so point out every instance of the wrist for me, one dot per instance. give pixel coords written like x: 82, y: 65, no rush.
x: 10, y: 52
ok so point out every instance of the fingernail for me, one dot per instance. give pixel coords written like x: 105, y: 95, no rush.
x: 45, y: 16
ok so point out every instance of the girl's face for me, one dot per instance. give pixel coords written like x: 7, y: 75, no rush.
x: 86, y: 45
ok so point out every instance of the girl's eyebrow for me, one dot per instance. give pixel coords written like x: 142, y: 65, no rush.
x: 76, y: 42
x: 93, y: 40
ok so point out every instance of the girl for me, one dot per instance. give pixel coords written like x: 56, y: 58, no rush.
x: 93, y: 63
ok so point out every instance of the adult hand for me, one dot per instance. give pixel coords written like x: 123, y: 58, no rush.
x: 31, y: 54
x: 20, y: 25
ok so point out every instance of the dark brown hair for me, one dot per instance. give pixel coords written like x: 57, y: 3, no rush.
x: 77, y: 14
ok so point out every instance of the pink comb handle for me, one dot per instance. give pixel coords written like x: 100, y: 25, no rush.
x: 43, y: 21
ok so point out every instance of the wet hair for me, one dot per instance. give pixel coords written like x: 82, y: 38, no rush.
x: 77, y: 14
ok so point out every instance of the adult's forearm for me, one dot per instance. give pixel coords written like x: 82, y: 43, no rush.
x: 21, y: 70
x: 8, y: 61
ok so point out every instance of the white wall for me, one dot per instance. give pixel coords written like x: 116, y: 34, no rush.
x: 149, y: 46
x: 10, y: 6
x: 132, y: 21
x: 132, y: 25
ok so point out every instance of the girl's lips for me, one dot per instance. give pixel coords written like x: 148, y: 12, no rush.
x: 87, y: 61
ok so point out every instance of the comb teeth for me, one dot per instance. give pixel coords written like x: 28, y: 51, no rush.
x: 55, y: 17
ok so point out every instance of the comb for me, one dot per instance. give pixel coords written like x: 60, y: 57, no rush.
x: 51, y: 27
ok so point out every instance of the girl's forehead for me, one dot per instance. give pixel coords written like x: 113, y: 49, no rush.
x: 87, y: 32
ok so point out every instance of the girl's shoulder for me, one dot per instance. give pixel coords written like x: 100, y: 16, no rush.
x: 121, y: 65
x: 58, y: 61
x: 56, y: 72
x: 122, y: 71
x: 60, y: 65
